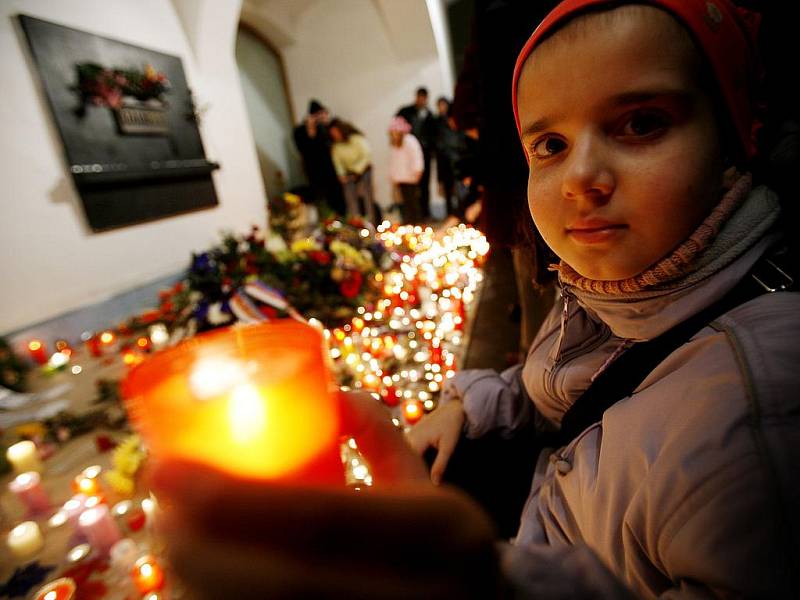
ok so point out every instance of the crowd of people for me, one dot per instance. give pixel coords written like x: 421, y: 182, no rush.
x: 338, y: 162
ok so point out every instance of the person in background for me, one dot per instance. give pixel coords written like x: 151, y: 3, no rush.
x: 352, y: 159
x: 314, y: 145
x: 449, y: 144
x: 423, y: 126
x: 406, y: 163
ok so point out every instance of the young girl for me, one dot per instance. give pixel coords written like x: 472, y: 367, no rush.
x: 638, y: 124
x: 406, y: 163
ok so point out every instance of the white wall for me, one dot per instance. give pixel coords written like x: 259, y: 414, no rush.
x: 51, y: 262
x: 361, y: 58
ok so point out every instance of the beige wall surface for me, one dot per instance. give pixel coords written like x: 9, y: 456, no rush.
x: 51, y: 261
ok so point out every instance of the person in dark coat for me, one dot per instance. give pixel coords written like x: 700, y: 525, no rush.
x: 314, y: 144
x: 423, y: 126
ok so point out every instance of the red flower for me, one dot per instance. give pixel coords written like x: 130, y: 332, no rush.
x: 351, y: 285
x: 320, y: 257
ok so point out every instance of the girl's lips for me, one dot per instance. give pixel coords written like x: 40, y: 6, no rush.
x: 595, y: 231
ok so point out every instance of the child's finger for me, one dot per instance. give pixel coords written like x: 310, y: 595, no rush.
x: 445, y: 451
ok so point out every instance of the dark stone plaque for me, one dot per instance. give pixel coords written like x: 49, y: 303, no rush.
x: 130, y: 164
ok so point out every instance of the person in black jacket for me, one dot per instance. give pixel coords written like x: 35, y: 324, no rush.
x: 314, y: 144
x: 423, y: 126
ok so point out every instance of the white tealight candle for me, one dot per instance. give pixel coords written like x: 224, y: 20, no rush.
x: 25, y: 539
x: 24, y: 457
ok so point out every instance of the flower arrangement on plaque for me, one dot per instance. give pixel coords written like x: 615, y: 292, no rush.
x: 136, y: 97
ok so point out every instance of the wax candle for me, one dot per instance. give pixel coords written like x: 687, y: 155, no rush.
x: 24, y: 457
x: 27, y: 487
x: 147, y: 574
x: 73, y: 508
x: 60, y: 589
x: 255, y: 401
x: 88, y: 482
x: 92, y: 343
x: 38, y: 352
x: 25, y: 539
x: 159, y: 336
x: 412, y: 411
x: 99, y: 527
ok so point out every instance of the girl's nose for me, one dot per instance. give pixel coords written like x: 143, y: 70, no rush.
x: 588, y: 174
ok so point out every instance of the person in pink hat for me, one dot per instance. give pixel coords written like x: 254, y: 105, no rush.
x: 406, y: 164
x: 657, y: 408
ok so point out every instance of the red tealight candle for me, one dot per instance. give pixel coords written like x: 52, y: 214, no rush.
x: 255, y: 401
x: 60, y: 589
x: 38, y: 351
x: 412, y: 411
x: 147, y: 574
x: 92, y: 344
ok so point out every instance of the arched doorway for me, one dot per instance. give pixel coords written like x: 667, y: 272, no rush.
x: 266, y: 97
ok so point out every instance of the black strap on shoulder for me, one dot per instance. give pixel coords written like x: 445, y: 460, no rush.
x: 625, y: 374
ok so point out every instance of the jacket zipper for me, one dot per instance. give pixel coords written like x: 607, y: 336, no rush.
x: 561, y: 357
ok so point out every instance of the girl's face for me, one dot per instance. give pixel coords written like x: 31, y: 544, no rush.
x: 623, y: 143
x: 335, y: 134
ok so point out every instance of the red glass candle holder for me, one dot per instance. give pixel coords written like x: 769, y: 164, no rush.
x: 256, y: 401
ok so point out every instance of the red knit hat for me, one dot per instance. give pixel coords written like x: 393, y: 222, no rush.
x: 724, y: 33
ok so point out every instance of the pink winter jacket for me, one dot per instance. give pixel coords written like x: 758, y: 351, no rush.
x: 689, y: 488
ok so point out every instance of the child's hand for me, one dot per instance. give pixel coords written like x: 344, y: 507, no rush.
x: 229, y: 538
x: 235, y: 538
x: 440, y: 429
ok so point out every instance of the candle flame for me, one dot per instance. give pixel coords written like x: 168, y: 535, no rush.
x: 34, y: 345
x: 214, y: 376
x: 247, y: 413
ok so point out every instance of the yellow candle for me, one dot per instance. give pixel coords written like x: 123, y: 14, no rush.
x: 25, y: 539
x: 24, y: 457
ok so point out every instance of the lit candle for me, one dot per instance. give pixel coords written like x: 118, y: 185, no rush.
x: 24, y: 457
x: 60, y: 589
x: 73, y: 508
x: 147, y: 574
x: 92, y: 343
x: 37, y: 351
x: 412, y: 411
x: 159, y: 336
x: 255, y: 401
x: 87, y: 482
x: 99, y: 527
x: 107, y: 341
x: 27, y: 487
x: 25, y: 539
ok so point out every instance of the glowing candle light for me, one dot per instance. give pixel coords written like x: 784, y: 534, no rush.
x: 24, y: 457
x: 412, y: 411
x: 147, y: 574
x: 159, y: 336
x: 254, y: 401
x: 25, y: 539
x: 88, y: 482
x: 37, y: 351
x: 60, y: 589
x: 27, y: 487
x: 92, y: 343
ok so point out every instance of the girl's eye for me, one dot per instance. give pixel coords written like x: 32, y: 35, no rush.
x: 644, y: 125
x: 547, y: 146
